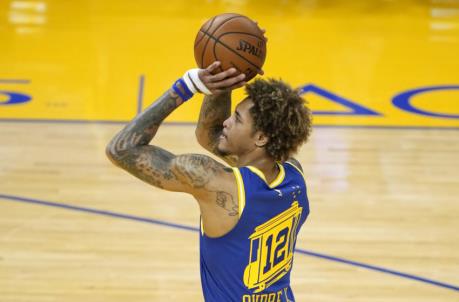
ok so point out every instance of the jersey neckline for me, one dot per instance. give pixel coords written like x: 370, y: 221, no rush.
x: 277, y: 181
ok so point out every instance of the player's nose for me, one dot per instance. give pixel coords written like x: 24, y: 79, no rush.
x: 226, y: 123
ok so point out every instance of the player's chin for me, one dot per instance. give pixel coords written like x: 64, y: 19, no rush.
x: 222, y: 148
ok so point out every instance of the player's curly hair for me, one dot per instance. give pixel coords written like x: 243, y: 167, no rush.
x: 280, y: 113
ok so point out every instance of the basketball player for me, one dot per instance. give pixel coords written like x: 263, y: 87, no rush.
x: 252, y: 210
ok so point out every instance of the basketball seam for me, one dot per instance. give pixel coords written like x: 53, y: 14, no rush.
x: 207, y: 42
x: 240, y: 32
x: 229, y: 48
x: 205, y: 45
x: 210, y: 25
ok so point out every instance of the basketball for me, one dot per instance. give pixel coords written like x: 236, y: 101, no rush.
x: 234, y: 40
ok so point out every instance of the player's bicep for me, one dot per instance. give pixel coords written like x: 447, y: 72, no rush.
x: 200, y: 173
x: 151, y: 164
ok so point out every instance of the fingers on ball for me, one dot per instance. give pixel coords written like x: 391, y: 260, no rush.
x: 223, y: 75
x: 213, y: 66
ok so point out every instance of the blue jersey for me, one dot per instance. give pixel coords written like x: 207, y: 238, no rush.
x: 254, y: 260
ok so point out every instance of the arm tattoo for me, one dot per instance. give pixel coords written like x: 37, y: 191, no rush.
x: 129, y: 149
x: 149, y: 163
x: 196, y: 170
x: 214, y: 111
x: 226, y: 201
x: 143, y: 128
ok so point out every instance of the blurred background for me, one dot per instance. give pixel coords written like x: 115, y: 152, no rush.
x: 382, y: 79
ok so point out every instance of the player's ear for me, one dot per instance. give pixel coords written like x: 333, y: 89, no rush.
x: 261, y: 139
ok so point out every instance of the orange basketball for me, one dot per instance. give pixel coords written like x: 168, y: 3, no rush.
x: 234, y: 40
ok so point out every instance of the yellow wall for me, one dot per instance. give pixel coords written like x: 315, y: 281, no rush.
x: 83, y: 60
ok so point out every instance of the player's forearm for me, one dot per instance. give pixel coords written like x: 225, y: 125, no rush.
x: 141, y: 130
x: 214, y: 111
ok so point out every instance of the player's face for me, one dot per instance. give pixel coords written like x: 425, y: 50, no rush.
x: 238, y: 136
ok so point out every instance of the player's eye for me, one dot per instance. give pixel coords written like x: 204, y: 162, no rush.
x: 238, y: 118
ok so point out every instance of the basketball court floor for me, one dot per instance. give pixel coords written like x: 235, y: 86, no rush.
x: 382, y: 166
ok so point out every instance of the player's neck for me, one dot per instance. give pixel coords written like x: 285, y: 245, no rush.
x: 265, y: 164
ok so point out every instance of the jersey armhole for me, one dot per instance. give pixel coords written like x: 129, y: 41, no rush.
x: 240, y: 199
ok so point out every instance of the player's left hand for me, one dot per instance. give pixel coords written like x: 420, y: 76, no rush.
x: 223, y: 81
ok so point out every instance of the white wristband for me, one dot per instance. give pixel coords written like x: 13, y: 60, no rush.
x: 194, y: 83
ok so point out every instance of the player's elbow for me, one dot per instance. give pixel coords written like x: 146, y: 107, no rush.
x: 112, y: 154
x: 109, y: 152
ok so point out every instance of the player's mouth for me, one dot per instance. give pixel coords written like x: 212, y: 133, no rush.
x: 223, y: 135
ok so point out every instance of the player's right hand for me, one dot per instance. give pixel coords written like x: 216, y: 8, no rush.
x: 223, y: 81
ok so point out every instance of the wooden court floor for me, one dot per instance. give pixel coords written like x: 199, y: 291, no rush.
x: 383, y: 224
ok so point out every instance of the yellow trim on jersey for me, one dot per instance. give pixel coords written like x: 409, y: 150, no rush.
x: 240, y: 190
x: 277, y: 181
x: 202, y: 227
x: 298, y: 169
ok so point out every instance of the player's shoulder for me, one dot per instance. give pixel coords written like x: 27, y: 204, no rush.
x: 293, y: 161
x: 200, y: 170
